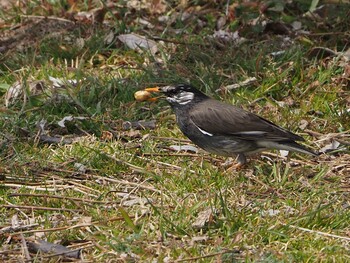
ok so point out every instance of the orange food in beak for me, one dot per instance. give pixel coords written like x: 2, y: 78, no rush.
x: 142, y: 95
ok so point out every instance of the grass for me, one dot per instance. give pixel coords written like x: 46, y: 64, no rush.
x: 128, y: 197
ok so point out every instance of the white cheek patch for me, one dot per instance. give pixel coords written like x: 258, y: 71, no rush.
x: 184, y: 97
x: 170, y: 99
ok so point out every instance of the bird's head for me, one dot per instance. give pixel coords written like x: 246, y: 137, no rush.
x: 177, y: 95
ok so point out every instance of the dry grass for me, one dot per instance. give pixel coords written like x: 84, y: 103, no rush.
x: 122, y: 195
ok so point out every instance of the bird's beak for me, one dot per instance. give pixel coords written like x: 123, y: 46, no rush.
x: 154, y: 89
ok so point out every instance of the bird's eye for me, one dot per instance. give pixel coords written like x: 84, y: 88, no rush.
x: 173, y: 91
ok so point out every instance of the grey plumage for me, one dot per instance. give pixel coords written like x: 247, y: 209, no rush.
x: 224, y: 129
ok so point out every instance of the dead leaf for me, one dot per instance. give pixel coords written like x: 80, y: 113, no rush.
x: 7, y: 4
x: 270, y: 212
x: 65, y: 119
x: 13, y: 93
x: 152, y: 7
x: 85, y: 220
x: 14, y: 221
x: 135, y: 201
x: 106, y: 136
x: 41, y: 126
x: 204, y: 218
x: 145, y: 23
x: 133, y: 134
x: 278, y: 53
x: 305, y: 182
x: 296, y: 25
x: 56, y: 219
x: 334, y: 145
x: 62, y: 83
x: 109, y: 38
x: 94, y: 16
x: 138, y: 43
x: 346, y: 73
x: 81, y: 168
x: 197, y: 239
x: 158, y: 6
x: 346, y: 55
x: 238, y: 237
x: 221, y: 22
x: 244, y: 83
x: 283, y: 153
x: 303, y: 124
x: 17, y: 90
x: 228, y: 37
x: 184, y: 148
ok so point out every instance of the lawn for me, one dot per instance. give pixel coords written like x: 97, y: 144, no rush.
x: 110, y: 179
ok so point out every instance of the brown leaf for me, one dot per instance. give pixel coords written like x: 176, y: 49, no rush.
x: 132, y: 134
x: 158, y: 7
x: 346, y: 73
x: 238, y: 237
x: 139, y: 43
x: 204, y: 218
x: 303, y: 124
x: 16, y: 90
x: 152, y: 7
x: 106, y: 136
x: 185, y: 148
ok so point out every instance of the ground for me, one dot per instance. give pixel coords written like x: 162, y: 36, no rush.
x: 85, y: 166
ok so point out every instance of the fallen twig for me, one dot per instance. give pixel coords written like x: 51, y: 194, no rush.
x: 246, y: 82
x: 60, y: 197
x: 317, y: 232
x: 55, y: 229
x: 112, y: 180
x: 48, y: 17
x: 9, y: 229
x: 25, y: 247
x: 38, y: 188
x: 207, y: 256
x: 40, y: 208
x: 109, y: 179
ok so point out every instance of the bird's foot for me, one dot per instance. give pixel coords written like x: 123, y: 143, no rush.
x: 238, y: 164
x: 236, y: 167
x: 228, y: 163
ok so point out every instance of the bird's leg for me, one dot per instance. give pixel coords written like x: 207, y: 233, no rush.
x: 241, y: 160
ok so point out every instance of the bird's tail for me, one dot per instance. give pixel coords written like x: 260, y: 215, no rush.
x: 287, y: 146
x: 296, y: 147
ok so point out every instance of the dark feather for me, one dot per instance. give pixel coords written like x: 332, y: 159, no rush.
x: 220, y: 118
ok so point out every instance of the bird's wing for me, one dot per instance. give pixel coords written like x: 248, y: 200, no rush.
x: 218, y: 118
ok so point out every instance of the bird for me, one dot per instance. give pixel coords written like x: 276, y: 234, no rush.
x: 224, y: 129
